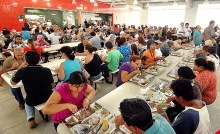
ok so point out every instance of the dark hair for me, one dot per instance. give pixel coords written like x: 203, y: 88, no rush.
x: 134, y: 58
x: 141, y: 41
x: 209, y: 65
x: 77, y: 78
x: 183, y: 88
x: 136, y: 112
x: 109, y: 45
x: 90, y: 48
x: 32, y: 57
x: 187, y: 24
x: 18, y: 36
x: 44, y: 28
x: 23, y: 29
x: 68, y: 52
x: 205, y: 48
x: 51, y: 30
x: 134, y: 49
x: 6, y: 54
x: 184, y: 37
x: 186, y: 73
x: 7, y: 36
x: 212, y: 21
x: 73, y: 27
x: 92, y: 34
x: 156, y: 38
x: 212, y: 50
x: 144, y: 58
x: 36, y: 30
x: 31, y: 41
x: 149, y: 36
x: 179, y: 38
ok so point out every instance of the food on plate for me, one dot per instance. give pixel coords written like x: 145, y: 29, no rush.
x: 72, y: 120
x: 105, y: 125
x: 162, y: 104
x: 105, y: 112
x: 149, y: 94
x: 97, y: 107
x: 163, y: 90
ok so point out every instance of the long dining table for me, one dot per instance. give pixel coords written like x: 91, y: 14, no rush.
x: 112, y: 100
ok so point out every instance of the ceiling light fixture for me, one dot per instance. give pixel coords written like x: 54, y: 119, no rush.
x: 53, y: 14
x: 46, y: 0
x: 135, y: 2
x: 127, y: 6
x: 34, y: 0
x: 148, y: 5
x: 206, y: 2
x: 95, y: 5
x: 81, y: 5
x: 92, y: 0
x: 48, y: 4
x: 73, y: 2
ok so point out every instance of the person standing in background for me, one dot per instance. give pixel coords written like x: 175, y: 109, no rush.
x: 25, y: 34
x: 210, y: 31
x: 197, y: 36
x: 187, y: 31
x: 180, y: 30
x: 27, y: 25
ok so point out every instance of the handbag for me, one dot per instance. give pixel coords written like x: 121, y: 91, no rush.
x: 83, y: 70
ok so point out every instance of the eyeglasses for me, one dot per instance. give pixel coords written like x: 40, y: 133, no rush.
x: 78, y: 86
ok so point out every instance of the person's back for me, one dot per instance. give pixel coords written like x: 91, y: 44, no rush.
x: 93, y: 67
x: 25, y: 35
x: 192, y: 121
x: 125, y: 51
x: 71, y: 66
x: 54, y: 38
x: 95, y: 41
x: 113, y: 59
x: 37, y: 83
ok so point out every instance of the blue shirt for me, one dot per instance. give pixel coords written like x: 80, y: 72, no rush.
x: 25, y: 35
x: 198, y: 35
x: 160, y: 126
x: 125, y: 51
x: 71, y: 66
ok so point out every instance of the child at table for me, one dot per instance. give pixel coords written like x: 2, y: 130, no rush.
x: 4, y: 57
x: 145, y: 62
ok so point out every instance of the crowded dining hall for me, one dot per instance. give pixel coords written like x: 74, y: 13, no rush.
x: 110, y: 67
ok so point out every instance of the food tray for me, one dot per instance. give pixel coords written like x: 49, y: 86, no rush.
x: 154, y: 104
x: 96, y: 106
x: 188, y: 48
x: 189, y: 59
x: 191, y: 55
x: 162, y: 86
x: 181, y: 64
x: 155, y: 70
x: 179, y: 54
x: 164, y: 63
x: 80, y: 128
x: 142, y: 79
x: 11, y: 73
x: 53, y: 68
x: 173, y: 73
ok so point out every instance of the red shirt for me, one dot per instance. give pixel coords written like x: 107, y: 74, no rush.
x: 38, y: 49
x: 208, y: 81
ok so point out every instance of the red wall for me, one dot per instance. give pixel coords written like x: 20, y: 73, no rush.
x: 9, y: 12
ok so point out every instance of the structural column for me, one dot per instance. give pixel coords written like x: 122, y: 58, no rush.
x: 79, y: 17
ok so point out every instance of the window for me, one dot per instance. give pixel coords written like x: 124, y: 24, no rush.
x: 206, y: 13
x: 166, y: 15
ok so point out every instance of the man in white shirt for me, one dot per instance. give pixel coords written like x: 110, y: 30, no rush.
x: 180, y: 30
x: 49, y: 24
x: 53, y: 37
x: 187, y: 31
x: 157, y: 50
x: 45, y: 31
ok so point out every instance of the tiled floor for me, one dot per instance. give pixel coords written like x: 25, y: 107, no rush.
x: 13, y: 120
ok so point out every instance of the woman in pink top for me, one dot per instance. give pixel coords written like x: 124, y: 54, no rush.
x: 206, y: 76
x: 41, y: 42
x: 68, y: 98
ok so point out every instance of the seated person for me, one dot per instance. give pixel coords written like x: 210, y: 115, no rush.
x: 95, y: 40
x: 185, y: 73
x: 201, y: 55
x: 68, y: 98
x: 18, y: 43
x: 112, y: 61
x: 184, y: 41
x: 149, y: 41
x: 92, y: 63
x: 206, y: 76
x: 12, y: 63
x: 125, y: 51
x: 128, y: 70
x: 5, y: 55
x: 177, y: 43
x: 70, y: 64
x: 145, y: 62
x: 38, y: 83
x: 41, y: 42
x: 137, y: 117
x: 151, y: 53
x: 134, y: 50
x: 80, y: 47
x: 32, y: 47
x: 165, y: 48
x: 195, y: 118
x: 158, y: 51
x: 212, y: 56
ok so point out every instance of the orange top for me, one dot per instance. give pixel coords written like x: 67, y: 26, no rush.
x: 208, y: 81
x: 149, y: 55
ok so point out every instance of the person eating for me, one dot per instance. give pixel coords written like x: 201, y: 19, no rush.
x: 69, y: 97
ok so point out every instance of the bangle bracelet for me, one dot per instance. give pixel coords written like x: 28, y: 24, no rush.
x: 163, y: 113
x: 88, y: 97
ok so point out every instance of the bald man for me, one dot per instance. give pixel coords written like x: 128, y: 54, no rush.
x: 12, y: 63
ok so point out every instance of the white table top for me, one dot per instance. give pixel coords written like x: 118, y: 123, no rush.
x: 57, y: 47
x: 112, y: 100
x: 7, y: 78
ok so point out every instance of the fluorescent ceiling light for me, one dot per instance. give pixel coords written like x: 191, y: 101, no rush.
x: 46, y: 0
x: 127, y: 6
x: 135, y: 2
x: 53, y: 14
x: 34, y: 0
x: 81, y: 5
x: 48, y: 4
x: 92, y: 0
x: 73, y: 2
x: 95, y: 5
